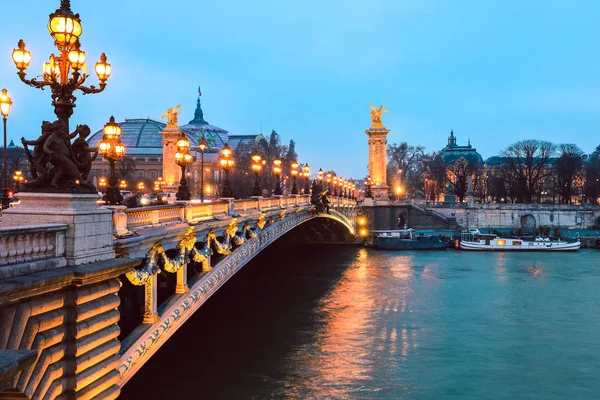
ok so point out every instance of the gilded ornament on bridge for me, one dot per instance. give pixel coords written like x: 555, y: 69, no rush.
x: 172, y: 116
x: 376, y: 114
x: 260, y: 223
x: 282, y: 214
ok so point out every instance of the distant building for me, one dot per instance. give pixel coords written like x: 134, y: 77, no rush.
x: 453, y: 152
x: 143, y: 146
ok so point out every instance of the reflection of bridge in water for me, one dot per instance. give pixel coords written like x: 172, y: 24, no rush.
x: 84, y: 331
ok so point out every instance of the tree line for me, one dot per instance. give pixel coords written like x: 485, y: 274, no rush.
x: 527, y: 171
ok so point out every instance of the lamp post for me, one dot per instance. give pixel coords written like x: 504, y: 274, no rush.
x: 112, y: 150
x: 102, y: 183
x: 18, y: 178
x: 141, y: 187
x: 321, y: 176
x: 368, y: 183
x: 183, y: 158
x: 328, y: 179
x: 122, y: 184
x: 202, y: 146
x: 295, y: 166
x: 158, y: 183
x: 66, y: 72
x: 335, y: 179
x: 306, y: 169
x: 277, y: 172
x: 256, y: 168
x: 5, y: 105
x: 226, y: 162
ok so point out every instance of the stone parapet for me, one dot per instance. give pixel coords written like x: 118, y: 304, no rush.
x: 88, y: 237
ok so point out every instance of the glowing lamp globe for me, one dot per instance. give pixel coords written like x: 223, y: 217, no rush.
x: 103, y: 69
x: 21, y: 57
x: 5, y: 104
x: 64, y: 26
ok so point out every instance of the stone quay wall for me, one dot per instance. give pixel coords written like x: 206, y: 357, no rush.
x: 521, y: 215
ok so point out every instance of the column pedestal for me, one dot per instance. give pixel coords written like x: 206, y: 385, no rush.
x: 89, y: 236
x: 378, y: 162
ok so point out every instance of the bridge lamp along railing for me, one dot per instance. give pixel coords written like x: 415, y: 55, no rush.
x: 203, y: 145
x: 277, y: 171
x: 158, y: 184
x: 295, y: 166
x: 123, y: 184
x: 183, y: 158
x: 5, y: 106
x: 257, y: 166
x: 65, y: 72
x: 226, y: 162
x: 335, y: 180
x: 18, y: 178
x: 328, y: 180
x: 112, y: 150
x: 306, y: 173
x: 321, y: 176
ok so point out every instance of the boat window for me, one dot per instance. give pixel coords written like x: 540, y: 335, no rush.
x: 516, y: 243
x: 501, y: 242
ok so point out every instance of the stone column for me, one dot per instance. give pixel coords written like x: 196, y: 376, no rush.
x: 378, y: 162
x: 151, y: 301
x: 171, y: 172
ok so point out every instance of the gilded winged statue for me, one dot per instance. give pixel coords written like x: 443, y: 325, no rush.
x: 376, y: 113
x: 172, y: 115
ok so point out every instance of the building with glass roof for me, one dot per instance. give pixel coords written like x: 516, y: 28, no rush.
x: 453, y: 152
x: 143, y: 149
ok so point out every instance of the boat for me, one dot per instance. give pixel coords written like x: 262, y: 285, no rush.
x: 406, y: 239
x: 481, y: 242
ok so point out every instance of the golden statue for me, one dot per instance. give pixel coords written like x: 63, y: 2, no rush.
x: 376, y: 114
x: 172, y: 115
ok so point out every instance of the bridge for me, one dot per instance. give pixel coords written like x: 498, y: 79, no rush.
x: 73, y: 330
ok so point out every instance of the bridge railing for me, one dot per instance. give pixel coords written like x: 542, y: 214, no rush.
x: 128, y: 220
x: 28, y: 244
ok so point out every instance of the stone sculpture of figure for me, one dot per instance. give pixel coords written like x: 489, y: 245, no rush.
x: 58, y: 147
x: 83, y: 152
x: 376, y: 113
x: 38, y: 161
x: 172, y: 115
x: 325, y: 201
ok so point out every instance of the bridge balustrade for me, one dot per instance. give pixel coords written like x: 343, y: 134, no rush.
x: 31, y: 243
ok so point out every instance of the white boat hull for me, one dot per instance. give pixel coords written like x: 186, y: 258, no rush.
x: 525, y: 246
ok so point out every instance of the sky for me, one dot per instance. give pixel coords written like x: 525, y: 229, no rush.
x: 494, y: 71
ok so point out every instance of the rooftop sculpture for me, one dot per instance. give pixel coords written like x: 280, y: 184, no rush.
x: 376, y: 113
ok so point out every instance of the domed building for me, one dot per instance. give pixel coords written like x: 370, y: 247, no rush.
x: 453, y: 152
x: 143, y: 143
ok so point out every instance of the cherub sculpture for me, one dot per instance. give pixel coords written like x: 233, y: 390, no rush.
x: 83, y: 152
x: 376, y: 113
x: 172, y: 115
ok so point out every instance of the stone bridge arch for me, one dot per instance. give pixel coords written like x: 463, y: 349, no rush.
x: 139, y: 346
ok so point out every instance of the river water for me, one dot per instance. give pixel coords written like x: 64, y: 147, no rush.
x: 335, y: 322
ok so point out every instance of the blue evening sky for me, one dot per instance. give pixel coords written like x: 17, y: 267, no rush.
x: 494, y: 71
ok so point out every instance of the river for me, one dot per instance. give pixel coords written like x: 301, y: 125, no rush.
x: 335, y: 322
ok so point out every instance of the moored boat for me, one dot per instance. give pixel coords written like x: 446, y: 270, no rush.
x: 480, y: 242
x: 406, y: 239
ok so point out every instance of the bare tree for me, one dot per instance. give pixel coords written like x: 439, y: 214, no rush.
x: 527, y: 163
x: 407, y: 164
x: 568, y: 171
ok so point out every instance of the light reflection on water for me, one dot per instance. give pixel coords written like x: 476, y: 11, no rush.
x: 421, y: 325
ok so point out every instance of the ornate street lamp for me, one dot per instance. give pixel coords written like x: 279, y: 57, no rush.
x: 295, y: 166
x: 306, y: 169
x: 321, y: 177
x: 329, y: 181
x: 335, y: 180
x: 123, y: 184
x: 18, y: 178
x: 112, y: 150
x: 368, y: 183
x: 277, y: 171
x: 66, y: 72
x: 256, y: 168
x: 102, y: 183
x: 226, y: 162
x: 183, y: 158
x: 202, y: 146
x: 5, y: 105
x: 141, y: 187
x: 158, y: 183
